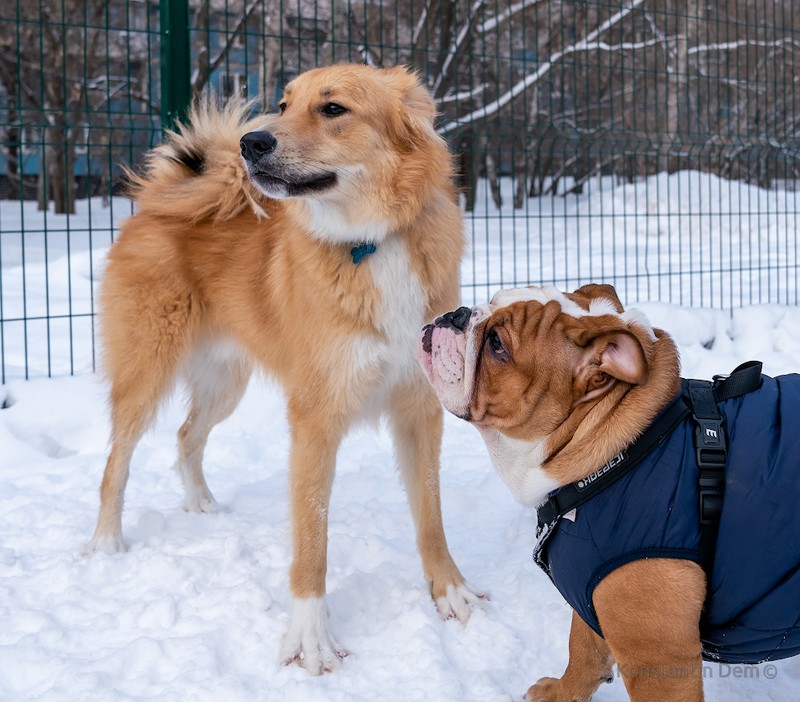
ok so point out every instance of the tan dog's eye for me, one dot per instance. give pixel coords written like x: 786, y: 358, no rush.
x: 494, y: 346
x: 282, y: 107
x: 333, y: 109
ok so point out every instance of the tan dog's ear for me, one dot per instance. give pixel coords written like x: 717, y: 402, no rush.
x: 412, y: 124
x: 608, y: 357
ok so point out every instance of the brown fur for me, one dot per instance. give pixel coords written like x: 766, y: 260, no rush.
x: 649, y: 610
x: 565, y: 392
x: 210, y: 278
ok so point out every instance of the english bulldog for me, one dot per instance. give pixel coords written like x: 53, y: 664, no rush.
x: 561, y: 386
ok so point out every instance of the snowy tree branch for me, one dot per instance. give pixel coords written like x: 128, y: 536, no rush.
x: 464, y: 94
x: 733, y: 45
x: 493, y: 22
x: 458, y: 41
x: 585, y: 44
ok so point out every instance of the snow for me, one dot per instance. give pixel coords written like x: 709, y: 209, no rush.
x: 197, y: 607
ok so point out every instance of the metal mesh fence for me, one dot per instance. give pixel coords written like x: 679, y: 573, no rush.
x: 651, y: 144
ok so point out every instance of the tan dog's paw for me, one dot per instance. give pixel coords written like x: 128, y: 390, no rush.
x: 108, y: 543
x: 318, y: 658
x: 201, y: 504
x: 308, y: 642
x: 458, y: 601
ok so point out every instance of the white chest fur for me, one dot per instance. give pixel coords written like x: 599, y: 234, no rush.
x: 519, y: 464
x: 401, y: 315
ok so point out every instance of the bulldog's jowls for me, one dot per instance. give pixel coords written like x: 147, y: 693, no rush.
x: 560, y: 386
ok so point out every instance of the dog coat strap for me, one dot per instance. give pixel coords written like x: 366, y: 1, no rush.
x: 712, y: 454
x: 698, y: 399
x: 744, y: 378
x: 570, y: 496
x: 710, y: 446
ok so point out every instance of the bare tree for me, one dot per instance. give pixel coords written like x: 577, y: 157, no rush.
x: 551, y: 92
x: 57, y: 81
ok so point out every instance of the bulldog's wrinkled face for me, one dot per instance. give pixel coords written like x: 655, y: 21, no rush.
x: 522, y: 362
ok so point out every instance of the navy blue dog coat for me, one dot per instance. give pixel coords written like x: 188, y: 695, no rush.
x: 752, y: 608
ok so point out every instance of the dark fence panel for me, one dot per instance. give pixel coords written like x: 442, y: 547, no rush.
x: 652, y: 144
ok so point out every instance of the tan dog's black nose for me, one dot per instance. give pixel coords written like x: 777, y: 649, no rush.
x: 254, y: 145
x: 458, y: 319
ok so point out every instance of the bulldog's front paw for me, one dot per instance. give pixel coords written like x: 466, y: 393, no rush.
x: 458, y: 601
x: 547, y: 690
x: 553, y: 690
x: 308, y: 641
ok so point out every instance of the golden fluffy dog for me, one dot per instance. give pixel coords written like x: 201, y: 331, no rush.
x: 313, y: 244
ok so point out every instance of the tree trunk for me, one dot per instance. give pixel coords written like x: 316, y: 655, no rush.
x: 61, y: 171
x: 14, y: 174
x: 43, y: 179
x: 678, y: 83
x: 491, y: 170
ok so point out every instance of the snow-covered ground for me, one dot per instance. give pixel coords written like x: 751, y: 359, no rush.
x: 196, y: 608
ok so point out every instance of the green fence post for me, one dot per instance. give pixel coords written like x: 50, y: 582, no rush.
x: 176, y: 90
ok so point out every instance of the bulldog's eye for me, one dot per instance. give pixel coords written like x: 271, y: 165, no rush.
x: 282, y: 107
x: 333, y: 109
x: 494, y: 345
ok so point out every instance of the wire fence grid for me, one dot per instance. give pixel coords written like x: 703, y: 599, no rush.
x: 651, y: 144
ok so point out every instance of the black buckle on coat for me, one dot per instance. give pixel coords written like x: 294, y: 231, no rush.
x: 711, y: 483
x: 711, y: 454
x: 709, y: 441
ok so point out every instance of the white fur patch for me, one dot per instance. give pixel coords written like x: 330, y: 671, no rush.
x: 543, y: 294
x: 206, y: 361
x: 402, y: 314
x: 330, y: 212
x: 597, y: 307
x: 519, y: 464
x: 459, y: 601
x: 308, y: 640
x: 328, y: 222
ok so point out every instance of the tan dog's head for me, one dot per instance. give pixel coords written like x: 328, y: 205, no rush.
x: 355, y: 145
x: 528, y: 367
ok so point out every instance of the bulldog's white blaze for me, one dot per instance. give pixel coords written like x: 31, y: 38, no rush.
x: 597, y: 307
x: 543, y: 294
x: 519, y: 464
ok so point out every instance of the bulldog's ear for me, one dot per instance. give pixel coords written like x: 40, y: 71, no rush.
x: 621, y: 355
x: 594, y: 290
x: 607, y: 358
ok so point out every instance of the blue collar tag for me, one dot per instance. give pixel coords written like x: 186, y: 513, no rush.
x: 361, y: 251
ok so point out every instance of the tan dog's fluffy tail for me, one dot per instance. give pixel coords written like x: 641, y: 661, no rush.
x: 197, y: 173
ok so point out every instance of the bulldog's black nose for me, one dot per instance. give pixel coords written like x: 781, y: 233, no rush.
x: 457, y: 319
x: 254, y: 145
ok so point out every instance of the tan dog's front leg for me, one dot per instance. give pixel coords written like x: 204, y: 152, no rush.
x: 649, y: 612
x: 313, y: 460
x: 416, y: 420
x: 590, y: 663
